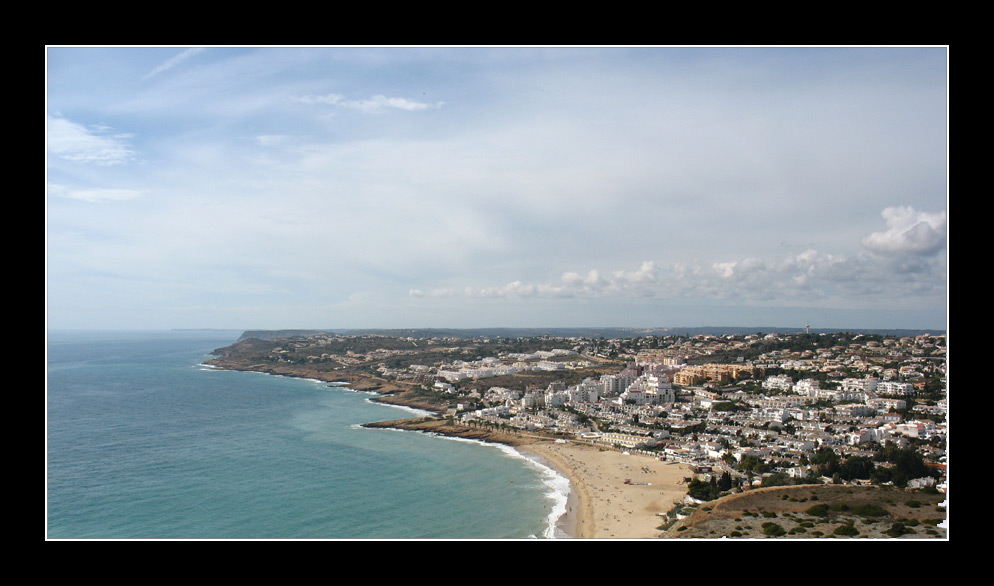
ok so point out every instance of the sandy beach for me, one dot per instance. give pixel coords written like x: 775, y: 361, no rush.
x: 601, y: 505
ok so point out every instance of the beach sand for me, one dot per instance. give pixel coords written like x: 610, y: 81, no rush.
x: 601, y: 505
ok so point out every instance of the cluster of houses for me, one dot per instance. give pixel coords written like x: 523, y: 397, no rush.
x: 641, y: 411
x: 549, y: 360
x: 706, y: 414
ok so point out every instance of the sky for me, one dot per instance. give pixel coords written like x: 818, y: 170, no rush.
x: 460, y: 187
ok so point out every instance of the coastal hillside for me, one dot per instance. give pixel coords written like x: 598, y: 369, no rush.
x: 818, y: 511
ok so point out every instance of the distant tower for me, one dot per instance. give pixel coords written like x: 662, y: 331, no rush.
x: 807, y: 328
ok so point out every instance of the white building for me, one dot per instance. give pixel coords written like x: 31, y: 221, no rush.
x: 780, y: 382
x: 884, y: 404
x: 614, y: 384
x: 863, y: 385
x: 589, y: 391
x: 895, y: 388
x: 806, y: 386
x: 555, y: 398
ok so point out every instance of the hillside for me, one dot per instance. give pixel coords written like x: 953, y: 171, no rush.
x: 817, y: 511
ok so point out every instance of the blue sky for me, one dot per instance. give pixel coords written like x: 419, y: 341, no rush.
x: 352, y: 187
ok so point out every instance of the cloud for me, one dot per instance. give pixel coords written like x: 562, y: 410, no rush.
x: 173, y: 62
x: 571, y: 284
x: 269, y: 140
x: 788, y: 280
x: 647, y: 273
x: 74, y: 142
x: 909, y: 232
x: 93, y: 195
x: 374, y: 104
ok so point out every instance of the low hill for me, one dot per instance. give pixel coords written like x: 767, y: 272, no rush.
x: 818, y: 511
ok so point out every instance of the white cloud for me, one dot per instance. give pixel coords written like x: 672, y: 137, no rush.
x: 909, y: 232
x: 374, y: 104
x: 173, y: 62
x: 789, y: 280
x: 75, y: 142
x: 269, y: 140
x: 572, y: 284
x: 93, y: 195
x: 647, y: 273
x: 591, y: 279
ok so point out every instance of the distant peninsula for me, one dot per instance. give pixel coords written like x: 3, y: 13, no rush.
x: 592, y: 332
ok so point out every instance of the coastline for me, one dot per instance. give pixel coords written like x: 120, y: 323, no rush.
x: 599, y: 503
x: 605, y: 507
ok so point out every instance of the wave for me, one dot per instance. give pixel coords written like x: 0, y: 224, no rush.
x: 558, y: 491
x: 557, y: 486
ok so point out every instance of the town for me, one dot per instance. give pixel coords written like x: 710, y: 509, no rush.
x: 752, y: 410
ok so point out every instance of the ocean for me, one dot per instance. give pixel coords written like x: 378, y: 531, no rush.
x: 146, y: 442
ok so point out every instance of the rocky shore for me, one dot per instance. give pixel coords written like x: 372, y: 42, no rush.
x: 393, y: 392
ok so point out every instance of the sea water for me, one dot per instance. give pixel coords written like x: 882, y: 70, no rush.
x: 145, y: 442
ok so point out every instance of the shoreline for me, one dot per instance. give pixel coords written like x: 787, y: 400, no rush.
x: 599, y: 503
x: 605, y: 507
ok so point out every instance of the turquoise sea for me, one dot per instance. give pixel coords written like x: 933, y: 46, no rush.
x: 145, y: 442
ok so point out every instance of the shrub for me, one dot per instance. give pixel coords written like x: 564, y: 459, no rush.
x: 817, y: 511
x: 869, y: 510
x: 897, y: 530
x: 773, y: 530
x: 846, y: 530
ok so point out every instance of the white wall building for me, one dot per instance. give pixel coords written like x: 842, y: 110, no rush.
x: 864, y: 385
x: 780, y: 382
x: 895, y: 388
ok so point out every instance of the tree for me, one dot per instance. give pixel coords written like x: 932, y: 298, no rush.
x: 856, y: 467
x: 826, y: 460
x: 701, y: 490
x: 725, y: 482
